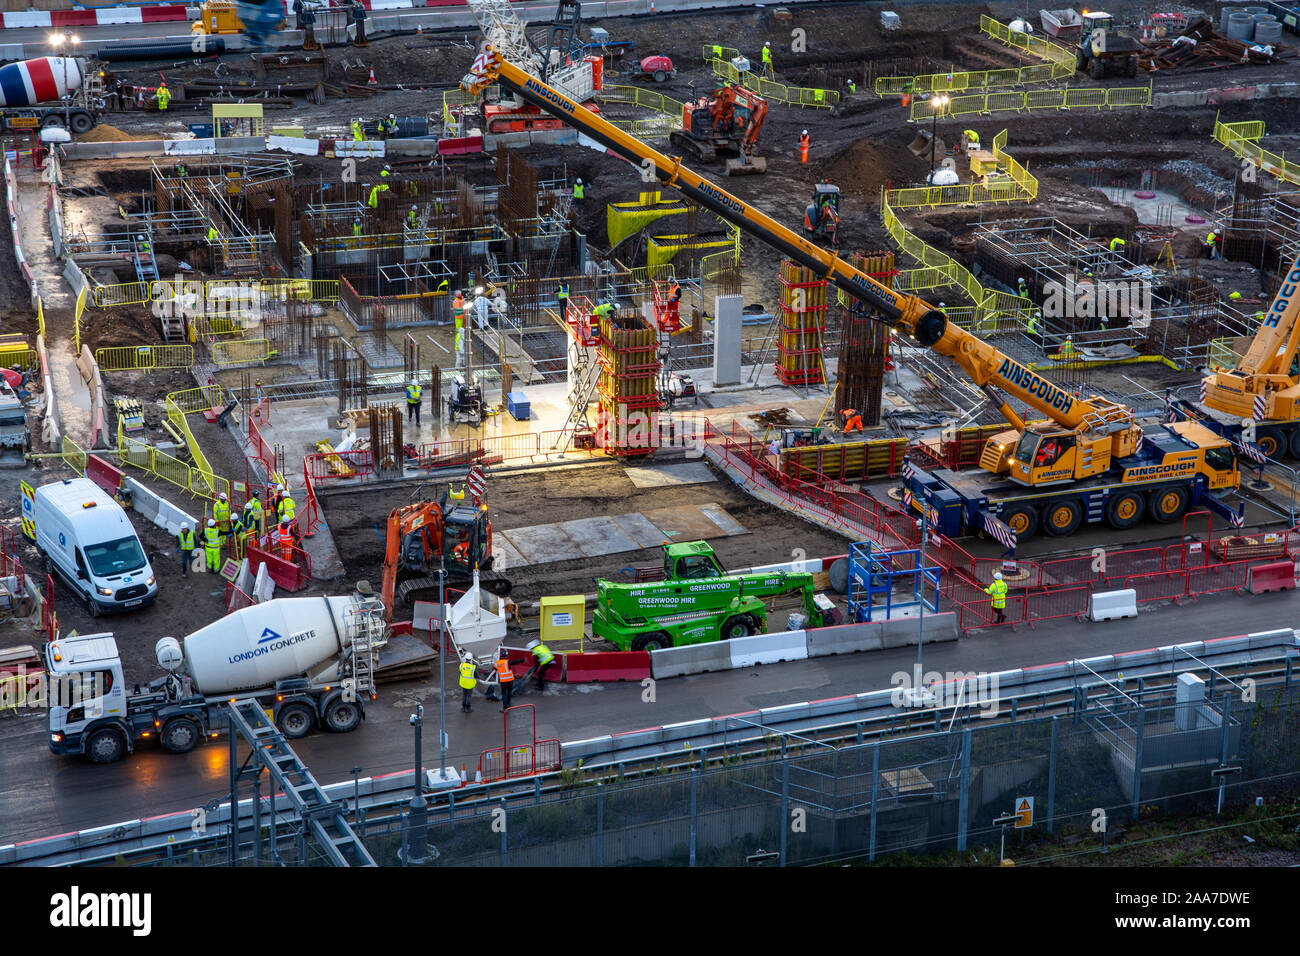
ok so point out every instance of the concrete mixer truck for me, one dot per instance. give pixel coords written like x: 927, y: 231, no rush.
x: 32, y: 92
x: 308, y: 661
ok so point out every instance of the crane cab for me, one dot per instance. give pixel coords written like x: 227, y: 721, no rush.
x: 1047, y: 454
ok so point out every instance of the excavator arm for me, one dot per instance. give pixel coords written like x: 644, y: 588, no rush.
x: 425, y: 516
x: 913, y: 316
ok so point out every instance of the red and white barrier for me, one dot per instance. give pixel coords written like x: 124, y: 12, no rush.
x: 91, y: 18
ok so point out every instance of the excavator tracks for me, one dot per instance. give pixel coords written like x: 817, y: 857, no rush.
x: 426, y: 589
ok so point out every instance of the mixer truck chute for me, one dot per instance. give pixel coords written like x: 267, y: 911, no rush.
x: 308, y: 661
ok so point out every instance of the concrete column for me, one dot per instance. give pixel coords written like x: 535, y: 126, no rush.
x: 726, y: 339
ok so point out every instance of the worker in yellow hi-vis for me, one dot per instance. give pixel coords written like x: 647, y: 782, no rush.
x: 998, y: 592
x: 767, y: 61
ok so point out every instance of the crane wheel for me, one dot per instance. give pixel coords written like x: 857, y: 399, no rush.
x: 1270, y: 441
x: 1062, y: 517
x: 1293, y: 442
x: 1168, y: 504
x: 1125, y: 509
x: 1022, y: 519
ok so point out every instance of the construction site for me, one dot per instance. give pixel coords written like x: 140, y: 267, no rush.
x: 592, y: 350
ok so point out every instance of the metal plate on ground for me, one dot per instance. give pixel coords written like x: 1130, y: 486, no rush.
x: 718, y: 515
x: 638, y: 527
x: 597, y: 536
x: 542, y: 543
x: 663, y: 476
x: 504, y: 554
x: 684, y: 523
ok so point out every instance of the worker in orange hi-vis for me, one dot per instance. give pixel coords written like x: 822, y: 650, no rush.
x: 852, y: 420
x: 674, y: 304
x: 286, y: 541
x: 804, y: 142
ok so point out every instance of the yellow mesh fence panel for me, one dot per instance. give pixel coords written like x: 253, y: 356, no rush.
x: 135, y: 358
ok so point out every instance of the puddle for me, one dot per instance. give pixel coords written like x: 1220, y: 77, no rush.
x: 1164, y: 209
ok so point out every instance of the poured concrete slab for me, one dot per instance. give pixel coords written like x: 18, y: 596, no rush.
x: 663, y: 476
x: 504, y: 554
x: 638, y: 527
x: 543, y: 542
x: 715, y: 513
x: 684, y: 523
x: 597, y: 536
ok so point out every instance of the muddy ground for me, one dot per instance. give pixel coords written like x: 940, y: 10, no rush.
x: 357, y: 520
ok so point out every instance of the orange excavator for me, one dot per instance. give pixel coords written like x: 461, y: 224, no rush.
x: 729, y: 120
x: 426, y: 535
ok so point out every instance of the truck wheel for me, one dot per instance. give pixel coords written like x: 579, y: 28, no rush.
x: 342, y: 716
x: 1270, y: 441
x: 739, y: 626
x: 296, y: 720
x: 657, y: 641
x: 659, y: 76
x: 52, y: 119
x: 1022, y: 519
x: 179, y: 735
x: 82, y: 122
x: 1062, y: 517
x: 1168, y: 504
x: 105, y: 745
x: 1125, y: 509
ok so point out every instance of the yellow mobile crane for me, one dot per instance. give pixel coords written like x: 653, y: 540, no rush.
x: 1265, y: 385
x: 1092, y: 461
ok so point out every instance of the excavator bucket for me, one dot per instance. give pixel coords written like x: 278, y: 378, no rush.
x: 920, y: 142
x: 753, y: 166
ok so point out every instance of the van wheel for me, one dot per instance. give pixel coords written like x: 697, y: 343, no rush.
x: 179, y: 735
x: 93, y: 607
x: 296, y: 720
x: 105, y: 745
x: 342, y: 716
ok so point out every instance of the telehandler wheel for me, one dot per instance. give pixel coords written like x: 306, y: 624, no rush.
x: 1168, y: 504
x: 1125, y: 509
x: 1022, y: 519
x: 179, y: 735
x: 738, y: 626
x: 296, y: 720
x: 1062, y: 517
x: 657, y: 641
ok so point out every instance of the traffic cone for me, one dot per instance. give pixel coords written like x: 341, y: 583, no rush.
x: 419, y: 29
x: 372, y: 79
x: 464, y: 777
x: 652, y: 6
x: 478, y: 775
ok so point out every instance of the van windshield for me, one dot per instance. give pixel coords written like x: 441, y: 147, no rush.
x: 115, y: 557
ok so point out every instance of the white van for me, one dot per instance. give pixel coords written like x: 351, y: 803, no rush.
x: 87, y: 538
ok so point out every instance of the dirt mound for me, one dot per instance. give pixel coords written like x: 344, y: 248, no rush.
x: 868, y: 164
x: 104, y: 133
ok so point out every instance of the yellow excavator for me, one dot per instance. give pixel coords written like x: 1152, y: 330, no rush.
x: 1091, y: 461
x: 1264, y: 388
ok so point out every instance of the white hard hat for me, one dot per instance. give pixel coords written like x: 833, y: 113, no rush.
x: 1020, y: 278
x: 139, y: 238
x: 223, y: 496
x: 768, y: 43
x: 212, y: 523
x: 388, y: 168
x: 941, y: 304
x: 415, y: 207
x: 805, y: 133
x: 997, y: 575
x: 578, y: 180
x: 185, y: 527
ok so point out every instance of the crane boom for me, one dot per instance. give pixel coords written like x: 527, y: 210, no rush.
x: 982, y: 362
